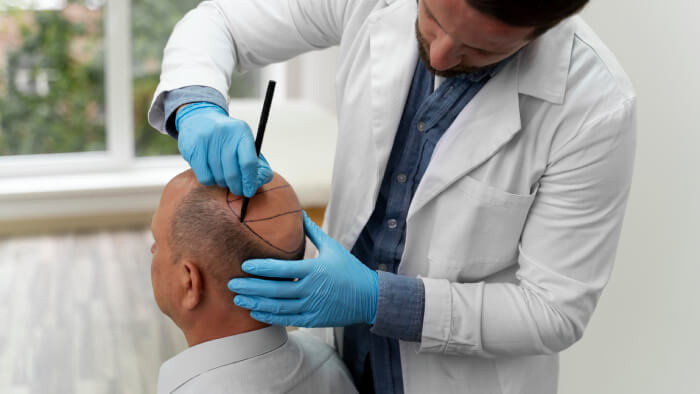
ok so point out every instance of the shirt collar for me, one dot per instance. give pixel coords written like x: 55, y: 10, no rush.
x: 209, y: 355
x: 543, y: 65
x: 477, y: 76
x: 490, y: 71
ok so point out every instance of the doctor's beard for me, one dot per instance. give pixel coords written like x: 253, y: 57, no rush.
x: 424, y: 50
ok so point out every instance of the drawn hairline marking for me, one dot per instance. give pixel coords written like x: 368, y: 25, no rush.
x: 263, y: 191
x: 246, y: 221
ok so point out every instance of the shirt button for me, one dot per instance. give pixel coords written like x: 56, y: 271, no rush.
x: 392, y: 223
x: 401, y: 178
x: 421, y: 126
x: 382, y: 267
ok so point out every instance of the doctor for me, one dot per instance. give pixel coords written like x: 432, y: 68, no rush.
x: 478, y: 195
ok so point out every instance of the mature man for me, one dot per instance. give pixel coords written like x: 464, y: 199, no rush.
x: 487, y: 151
x: 199, y: 244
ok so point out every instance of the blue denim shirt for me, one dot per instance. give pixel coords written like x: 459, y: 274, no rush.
x: 371, y: 352
x: 428, y: 113
x: 189, y: 94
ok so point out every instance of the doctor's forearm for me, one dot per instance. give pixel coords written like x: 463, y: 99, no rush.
x: 514, y: 319
x: 499, y: 319
x: 518, y: 320
x: 219, y: 37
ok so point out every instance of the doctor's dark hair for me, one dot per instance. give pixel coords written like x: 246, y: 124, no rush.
x: 205, y: 228
x: 542, y: 14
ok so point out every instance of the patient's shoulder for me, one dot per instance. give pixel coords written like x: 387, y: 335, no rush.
x: 324, y: 371
x: 303, y: 364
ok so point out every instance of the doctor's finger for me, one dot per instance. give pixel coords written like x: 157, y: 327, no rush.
x: 265, y: 288
x: 232, y: 173
x: 270, y: 305
x: 272, y: 268
x: 265, y: 173
x: 315, y: 233
x: 297, y: 320
x: 248, y: 162
x: 196, y: 155
x: 214, y: 160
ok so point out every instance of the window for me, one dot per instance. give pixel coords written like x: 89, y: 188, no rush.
x: 51, y: 78
x: 77, y: 78
x: 151, y: 24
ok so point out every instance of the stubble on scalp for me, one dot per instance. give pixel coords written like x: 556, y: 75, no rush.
x: 205, y: 227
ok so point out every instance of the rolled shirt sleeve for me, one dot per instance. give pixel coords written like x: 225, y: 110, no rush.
x: 400, y: 307
x: 219, y: 37
x: 189, y: 94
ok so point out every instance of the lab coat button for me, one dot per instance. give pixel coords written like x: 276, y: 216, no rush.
x: 382, y: 267
x: 401, y: 178
x: 421, y: 126
x: 392, y: 223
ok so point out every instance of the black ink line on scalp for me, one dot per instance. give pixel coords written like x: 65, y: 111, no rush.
x: 246, y: 221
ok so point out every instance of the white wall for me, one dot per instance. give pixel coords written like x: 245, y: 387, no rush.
x: 312, y: 77
x: 645, y: 335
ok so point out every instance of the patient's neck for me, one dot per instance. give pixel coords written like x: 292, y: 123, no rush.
x: 217, y: 317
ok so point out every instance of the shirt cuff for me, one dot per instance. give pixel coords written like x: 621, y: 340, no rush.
x: 400, y: 307
x: 189, y: 94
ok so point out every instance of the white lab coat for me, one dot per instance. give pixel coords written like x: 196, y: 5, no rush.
x: 514, y: 226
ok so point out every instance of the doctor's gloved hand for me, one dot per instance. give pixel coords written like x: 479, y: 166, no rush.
x: 334, y: 289
x: 220, y: 149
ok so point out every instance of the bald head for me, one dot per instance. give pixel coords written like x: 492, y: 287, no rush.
x: 200, y: 244
x: 206, y: 224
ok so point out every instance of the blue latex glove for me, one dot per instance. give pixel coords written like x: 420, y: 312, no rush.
x: 334, y: 289
x: 220, y: 149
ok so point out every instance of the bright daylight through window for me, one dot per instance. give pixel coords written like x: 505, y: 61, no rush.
x: 53, y: 60
x: 51, y: 77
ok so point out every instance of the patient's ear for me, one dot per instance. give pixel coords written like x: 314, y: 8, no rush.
x: 192, y: 284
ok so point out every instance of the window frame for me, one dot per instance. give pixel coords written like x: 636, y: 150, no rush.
x: 39, y: 191
x: 120, y: 152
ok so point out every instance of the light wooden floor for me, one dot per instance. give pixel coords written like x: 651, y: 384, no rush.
x: 77, y: 315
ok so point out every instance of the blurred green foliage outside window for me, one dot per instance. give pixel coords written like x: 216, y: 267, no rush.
x: 152, y: 22
x: 52, y: 79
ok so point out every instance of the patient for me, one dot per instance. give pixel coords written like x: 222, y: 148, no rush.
x: 199, y: 245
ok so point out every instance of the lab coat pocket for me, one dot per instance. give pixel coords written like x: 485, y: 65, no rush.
x: 480, y: 228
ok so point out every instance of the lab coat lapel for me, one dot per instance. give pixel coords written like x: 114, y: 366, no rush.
x: 492, y: 118
x: 487, y: 123
x: 393, y: 56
